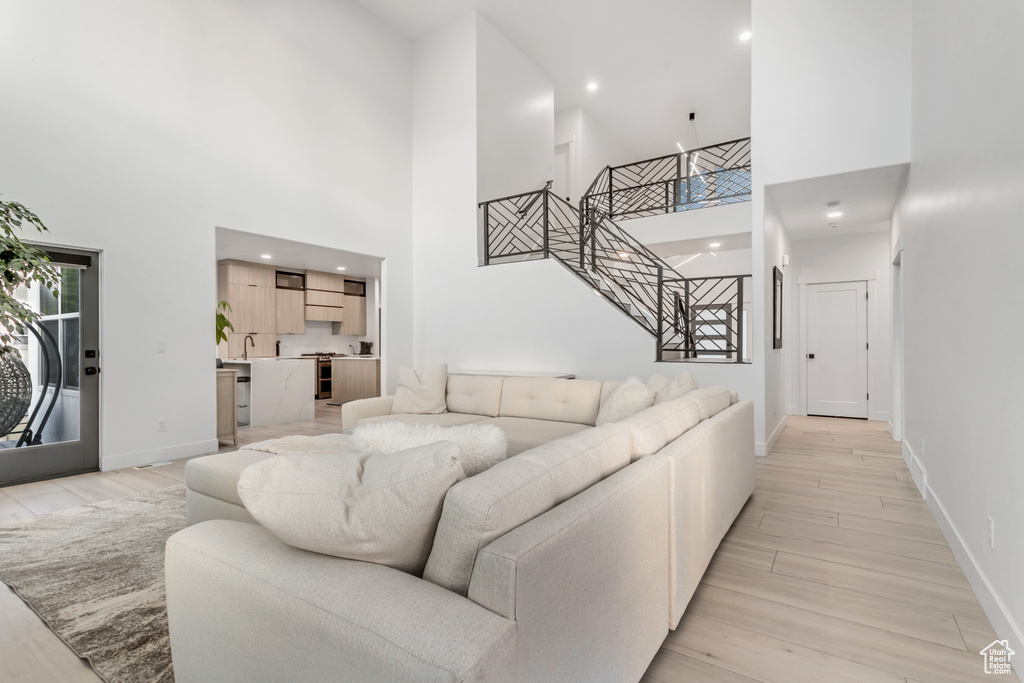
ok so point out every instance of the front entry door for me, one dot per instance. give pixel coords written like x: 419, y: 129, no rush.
x: 837, y: 349
x: 57, y: 433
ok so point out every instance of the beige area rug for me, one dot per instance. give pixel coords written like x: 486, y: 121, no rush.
x: 95, y: 575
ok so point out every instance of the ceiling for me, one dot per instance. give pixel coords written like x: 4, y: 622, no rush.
x: 866, y: 198
x: 654, y: 60
x: 680, y: 248
x: 246, y: 246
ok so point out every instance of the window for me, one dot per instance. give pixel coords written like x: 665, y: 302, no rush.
x: 60, y: 317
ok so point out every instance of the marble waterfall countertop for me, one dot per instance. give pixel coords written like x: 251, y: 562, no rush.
x: 279, y: 391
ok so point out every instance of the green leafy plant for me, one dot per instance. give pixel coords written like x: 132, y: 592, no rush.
x: 222, y: 322
x: 22, y: 264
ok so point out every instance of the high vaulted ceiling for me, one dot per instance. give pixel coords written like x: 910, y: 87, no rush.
x: 654, y: 60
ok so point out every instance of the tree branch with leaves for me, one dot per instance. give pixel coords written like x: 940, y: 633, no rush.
x: 22, y: 264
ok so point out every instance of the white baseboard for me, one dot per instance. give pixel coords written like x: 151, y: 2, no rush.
x: 892, y: 430
x: 762, y: 448
x: 794, y: 410
x: 1003, y: 624
x: 185, y: 450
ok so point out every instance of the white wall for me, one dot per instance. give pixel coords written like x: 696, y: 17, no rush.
x: 839, y: 259
x: 136, y: 128
x: 831, y: 87
x: 831, y: 84
x: 594, y: 147
x: 960, y: 223
x: 727, y: 219
x: 533, y: 316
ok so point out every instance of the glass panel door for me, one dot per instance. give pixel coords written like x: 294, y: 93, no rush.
x: 49, y: 391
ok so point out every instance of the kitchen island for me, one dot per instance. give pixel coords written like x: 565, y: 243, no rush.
x: 354, y: 377
x: 281, y: 389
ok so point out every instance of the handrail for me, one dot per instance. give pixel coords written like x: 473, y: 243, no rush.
x: 529, y: 205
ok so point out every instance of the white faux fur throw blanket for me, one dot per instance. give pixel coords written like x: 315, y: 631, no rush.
x: 300, y: 444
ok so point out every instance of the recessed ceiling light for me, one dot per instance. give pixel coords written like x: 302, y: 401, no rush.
x: 715, y: 244
x: 591, y: 86
x: 623, y: 254
x: 745, y: 35
x: 266, y: 256
x: 341, y: 267
x: 834, y: 214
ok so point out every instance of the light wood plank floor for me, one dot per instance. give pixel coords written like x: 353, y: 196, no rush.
x: 834, y: 571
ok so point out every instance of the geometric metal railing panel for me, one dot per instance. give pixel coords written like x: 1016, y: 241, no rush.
x: 693, y: 319
x: 709, y: 176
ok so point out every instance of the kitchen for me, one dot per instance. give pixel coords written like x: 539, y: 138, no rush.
x: 306, y: 329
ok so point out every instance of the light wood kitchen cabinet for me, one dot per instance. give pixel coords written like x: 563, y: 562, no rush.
x: 316, y: 297
x: 324, y: 281
x: 354, y: 378
x: 251, y: 292
x: 227, y: 405
x: 291, y: 317
x: 354, y: 323
x: 325, y: 313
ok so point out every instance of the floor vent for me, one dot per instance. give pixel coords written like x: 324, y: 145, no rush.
x: 918, y: 474
x: 157, y: 464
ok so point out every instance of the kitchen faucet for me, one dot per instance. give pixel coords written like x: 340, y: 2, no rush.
x: 352, y: 349
x: 245, y: 347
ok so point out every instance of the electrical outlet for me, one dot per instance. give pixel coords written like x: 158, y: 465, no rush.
x: 991, y: 533
x: 161, y: 424
x: 161, y: 346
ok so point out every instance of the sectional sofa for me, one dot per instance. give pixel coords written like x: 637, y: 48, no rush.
x: 569, y: 561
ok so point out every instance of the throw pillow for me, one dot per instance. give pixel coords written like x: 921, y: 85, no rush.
x: 657, y: 382
x: 629, y: 398
x: 682, y: 384
x: 480, y: 446
x: 420, y: 393
x: 380, y: 508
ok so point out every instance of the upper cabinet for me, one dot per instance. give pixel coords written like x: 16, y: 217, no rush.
x: 354, y: 323
x: 250, y: 291
x: 325, y: 297
x: 291, y: 317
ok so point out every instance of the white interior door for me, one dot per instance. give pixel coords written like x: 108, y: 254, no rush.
x: 562, y: 172
x: 837, y: 349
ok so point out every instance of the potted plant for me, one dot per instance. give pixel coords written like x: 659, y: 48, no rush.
x: 22, y: 264
x: 223, y: 324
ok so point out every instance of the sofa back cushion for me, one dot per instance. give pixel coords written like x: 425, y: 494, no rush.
x: 483, y: 508
x: 474, y: 394
x: 661, y: 424
x: 548, y: 398
x: 711, y: 400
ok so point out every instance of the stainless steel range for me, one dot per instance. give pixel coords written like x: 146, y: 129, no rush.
x: 323, y: 372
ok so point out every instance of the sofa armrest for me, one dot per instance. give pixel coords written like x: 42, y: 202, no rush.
x: 354, y: 411
x: 587, y: 581
x: 244, y: 606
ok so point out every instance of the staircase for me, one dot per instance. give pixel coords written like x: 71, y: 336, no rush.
x: 691, y: 319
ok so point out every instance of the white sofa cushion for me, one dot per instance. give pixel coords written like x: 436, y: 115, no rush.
x: 629, y: 398
x: 442, y: 420
x: 420, y: 392
x: 682, y: 384
x: 474, y: 394
x: 217, y: 475
x: 711, y: 400
x: 661, y: 424
x: 480, y: 445
x: 482, y: 508
x: 547, y: 398
x: 525, y: 433
x: 380, y: 508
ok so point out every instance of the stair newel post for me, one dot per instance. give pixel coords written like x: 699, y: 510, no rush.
x: 611, y: 213
x: 487, y: 236
x: 739, y: 319
x: 593, y: 240
x: 678, y: 185
x: 687, y: 335
x: 546, y: 237
x: 661, y: 310
x: 584, y: 207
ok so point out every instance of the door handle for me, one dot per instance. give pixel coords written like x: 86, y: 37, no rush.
x: 811, y: 356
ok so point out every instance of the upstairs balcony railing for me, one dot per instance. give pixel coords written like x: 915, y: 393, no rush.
x: 699, y: 178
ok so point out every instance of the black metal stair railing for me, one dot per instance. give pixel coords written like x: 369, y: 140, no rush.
x: 708, y: 176
x: 693, y: 319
